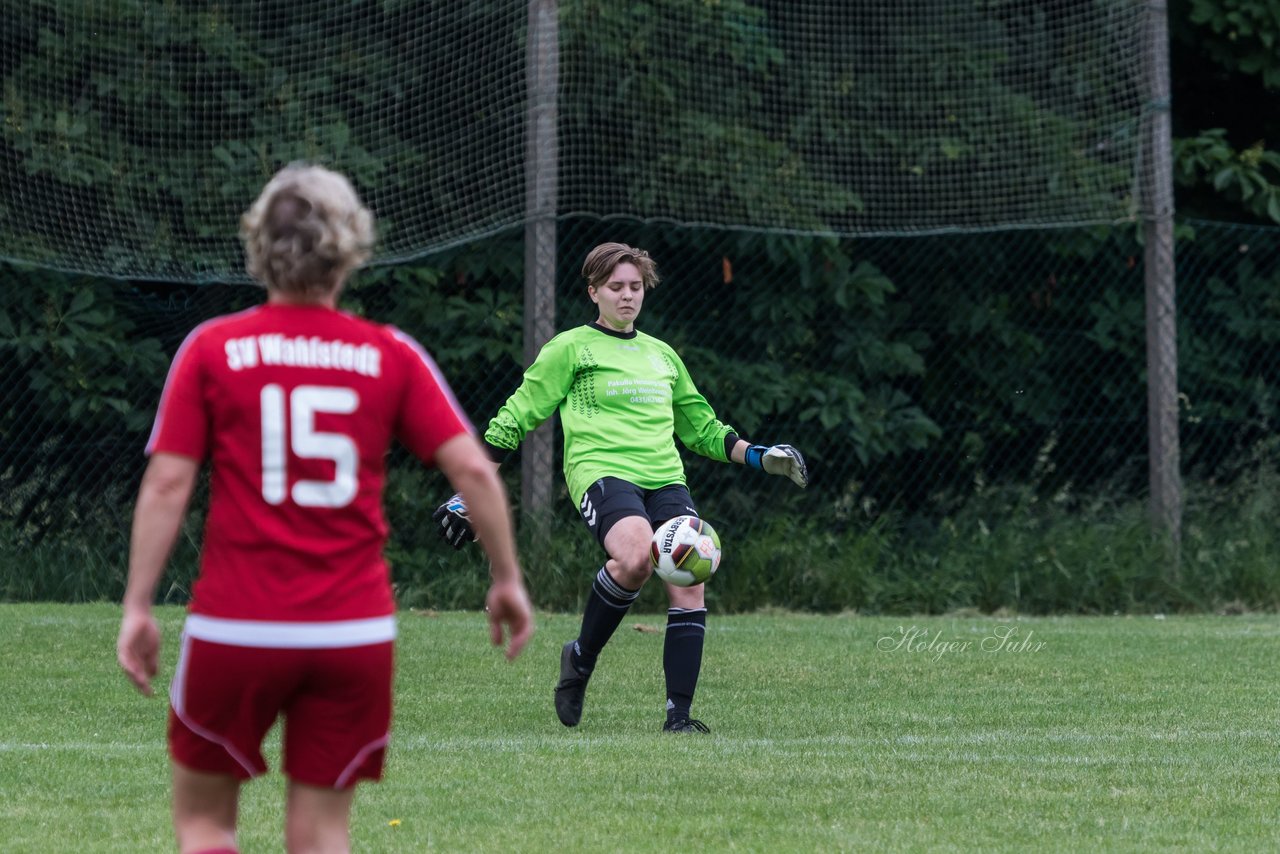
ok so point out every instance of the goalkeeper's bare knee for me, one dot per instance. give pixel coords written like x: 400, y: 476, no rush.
x: 632, y: 570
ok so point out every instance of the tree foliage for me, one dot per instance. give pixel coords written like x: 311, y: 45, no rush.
x: 1226, y: 81
x: 907, y: 370
x: 157, y: 123
x: 1242, y: 36
x: 78, y: 379
x: 1248, y: 179
x: 828, y: 118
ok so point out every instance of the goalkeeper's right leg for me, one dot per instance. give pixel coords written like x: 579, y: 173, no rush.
x: 614, y: 510
x: 616, y: 585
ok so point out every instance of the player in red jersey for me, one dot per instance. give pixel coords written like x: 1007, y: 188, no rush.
x: 294, y: 404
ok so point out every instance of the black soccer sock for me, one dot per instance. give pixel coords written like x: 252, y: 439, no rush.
x: 682, y: 658
x: 606, y: 606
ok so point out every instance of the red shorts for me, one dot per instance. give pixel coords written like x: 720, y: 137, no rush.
x: 336, y: 705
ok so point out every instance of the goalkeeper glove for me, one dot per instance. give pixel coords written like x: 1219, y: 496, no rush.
x: 455, y: 525
x: 779, y: 459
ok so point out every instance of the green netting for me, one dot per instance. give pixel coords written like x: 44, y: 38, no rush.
x: 853, y: 117
x: 900, y: 236
x: 134, y: 133
x: 915, y: 372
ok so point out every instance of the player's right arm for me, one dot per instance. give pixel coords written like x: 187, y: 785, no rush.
x: 475, y: 477
x: 544, y: 387
x: 166, y: 489
x: 176, y: 447
x: 434, y: 427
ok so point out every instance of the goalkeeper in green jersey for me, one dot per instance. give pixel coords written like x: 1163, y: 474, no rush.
x: 623, y: 396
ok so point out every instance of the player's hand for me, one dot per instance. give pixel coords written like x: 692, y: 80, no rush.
x: 455, y: 524
x: 508, y: 605
x: 138, y: 648
x: 786, y: 461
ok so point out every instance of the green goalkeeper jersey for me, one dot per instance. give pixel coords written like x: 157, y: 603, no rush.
x: 622, y: 398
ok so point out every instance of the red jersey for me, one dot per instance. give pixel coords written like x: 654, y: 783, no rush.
x: 295, y: 407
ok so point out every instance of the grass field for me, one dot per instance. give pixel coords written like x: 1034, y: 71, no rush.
x: 828, y: 734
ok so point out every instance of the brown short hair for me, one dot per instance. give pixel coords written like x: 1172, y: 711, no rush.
x: 306, y: 231
x: 602, y: 261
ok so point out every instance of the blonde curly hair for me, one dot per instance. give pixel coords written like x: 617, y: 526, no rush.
x: 306, y: 232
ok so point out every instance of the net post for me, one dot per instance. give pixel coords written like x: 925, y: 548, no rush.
x: 1161, y: 290
x: 541, y: 178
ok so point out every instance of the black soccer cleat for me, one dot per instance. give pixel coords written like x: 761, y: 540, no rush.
x: 571, y: 688
x: 685, y: 725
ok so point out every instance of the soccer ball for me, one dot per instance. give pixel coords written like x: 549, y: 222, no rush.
x: 685, y: 551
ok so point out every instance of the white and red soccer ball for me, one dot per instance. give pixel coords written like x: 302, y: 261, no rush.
x: 685, y: 551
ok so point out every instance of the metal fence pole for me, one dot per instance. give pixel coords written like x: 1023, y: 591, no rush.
x: 1161, y: 289
x: 541, y: 178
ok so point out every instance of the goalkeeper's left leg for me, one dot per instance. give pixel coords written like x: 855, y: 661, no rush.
x: 682, y: 658
x: 686, y: 620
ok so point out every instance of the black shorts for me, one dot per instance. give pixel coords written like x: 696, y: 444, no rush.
x: 610, y: 499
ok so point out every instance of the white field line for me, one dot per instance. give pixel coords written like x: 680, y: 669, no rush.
x: 80, y: 746
x: 720, y: 743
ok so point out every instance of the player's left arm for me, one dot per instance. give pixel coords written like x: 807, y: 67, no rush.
x: 700, y: 430
x: 695, y: 421
x: 781, y: 460
x: 166, y: 489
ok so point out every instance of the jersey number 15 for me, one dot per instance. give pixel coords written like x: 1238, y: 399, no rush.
x: 305, y: 402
